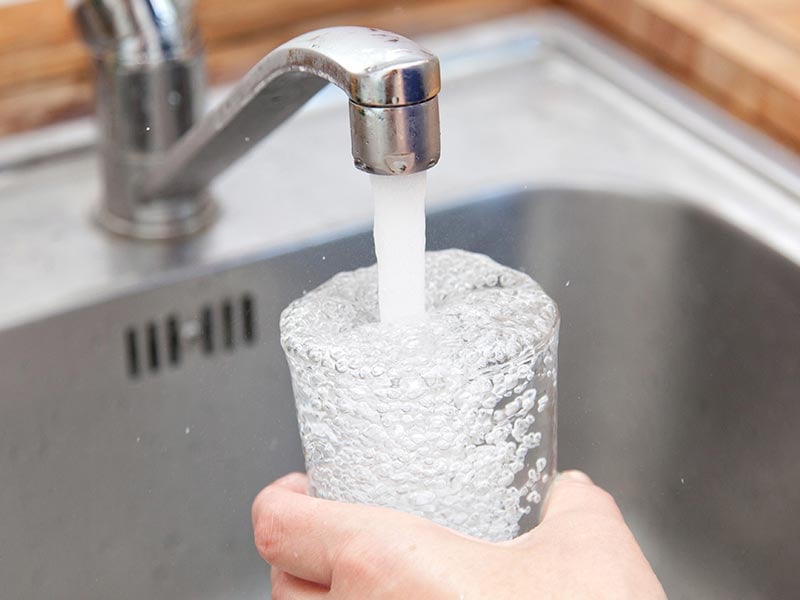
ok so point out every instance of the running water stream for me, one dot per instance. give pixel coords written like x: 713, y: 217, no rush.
x: 399, y: 232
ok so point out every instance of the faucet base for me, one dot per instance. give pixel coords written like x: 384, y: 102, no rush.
x: 164, y: 222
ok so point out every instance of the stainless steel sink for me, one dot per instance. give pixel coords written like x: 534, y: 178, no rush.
x: 144, y: 398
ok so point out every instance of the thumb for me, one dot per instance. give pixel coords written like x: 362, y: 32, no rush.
x: 574, y: 491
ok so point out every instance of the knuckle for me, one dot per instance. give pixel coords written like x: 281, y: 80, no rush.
x: 268, y: 546
x: 267, y: 528
x: 258, y: 506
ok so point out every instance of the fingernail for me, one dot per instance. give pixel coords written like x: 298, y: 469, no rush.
x: 576, y: 476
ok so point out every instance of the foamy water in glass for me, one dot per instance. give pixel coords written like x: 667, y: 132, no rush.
x: 451, y: 417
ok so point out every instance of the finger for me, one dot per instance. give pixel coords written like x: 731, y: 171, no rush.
x: 289, y: 587
x: 573, y: 491
x: 295, y: 482
x: 303, y: 535
x: 576, y: 476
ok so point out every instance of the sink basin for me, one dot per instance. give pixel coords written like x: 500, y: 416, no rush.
x: 144, y: 397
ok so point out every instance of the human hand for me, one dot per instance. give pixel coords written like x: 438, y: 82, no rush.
x: 322, y: 549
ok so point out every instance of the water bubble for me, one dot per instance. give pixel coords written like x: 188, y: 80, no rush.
x: 423, y: 498
x: 534, y: 497
x: 542, y: 404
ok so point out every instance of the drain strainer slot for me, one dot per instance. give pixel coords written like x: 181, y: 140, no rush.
x: 161, y: 343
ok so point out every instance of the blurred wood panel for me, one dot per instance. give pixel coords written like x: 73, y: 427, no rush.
x: 46, y: 73
x: 744, y: 54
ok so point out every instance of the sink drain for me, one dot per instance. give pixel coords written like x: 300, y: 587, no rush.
x: 162, y: 343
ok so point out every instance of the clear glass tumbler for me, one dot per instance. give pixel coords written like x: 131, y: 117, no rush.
x: 453, y: 418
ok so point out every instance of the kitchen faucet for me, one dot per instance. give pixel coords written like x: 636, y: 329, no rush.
x: 159, y: 154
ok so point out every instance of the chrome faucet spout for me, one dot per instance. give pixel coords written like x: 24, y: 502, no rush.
x: 391, y: 82
x: 159, y: 156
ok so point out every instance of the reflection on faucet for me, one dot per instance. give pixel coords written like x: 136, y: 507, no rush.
x: 158, y: 155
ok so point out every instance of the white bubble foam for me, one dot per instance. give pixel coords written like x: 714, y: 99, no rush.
x: 436, y: 417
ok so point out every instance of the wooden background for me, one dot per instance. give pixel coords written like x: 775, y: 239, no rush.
x: 745, y: 54
x: 46, y: 73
